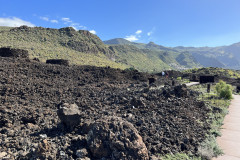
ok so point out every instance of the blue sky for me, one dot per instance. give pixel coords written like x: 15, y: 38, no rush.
x: 165, y: 22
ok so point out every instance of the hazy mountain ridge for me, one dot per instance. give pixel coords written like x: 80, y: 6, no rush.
x: 223, y: 56
x: 157, y: 54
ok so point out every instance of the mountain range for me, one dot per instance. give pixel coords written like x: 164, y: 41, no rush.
x: 223, y: 56
x: 84, y: 48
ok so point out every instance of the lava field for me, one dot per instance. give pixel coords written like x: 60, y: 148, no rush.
x: 50, y: 111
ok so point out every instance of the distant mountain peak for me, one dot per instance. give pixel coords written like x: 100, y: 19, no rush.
x: 117, y: 41
x: 151, y: 43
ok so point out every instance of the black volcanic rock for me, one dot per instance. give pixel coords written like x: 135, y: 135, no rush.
x: 30, y: 92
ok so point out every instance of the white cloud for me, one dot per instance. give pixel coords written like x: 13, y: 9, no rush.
x: 66, y: 20
x: 14, y: 22
x: 149, y: 33
x: 93, y: 31
x: 131, y: 38
x: 135, y: 36
x: 138, y: 32
x: 69, y: 22
x: 77, y: 26
x: 44, y: 18
x: 49, y: 20
x: 54, y: 21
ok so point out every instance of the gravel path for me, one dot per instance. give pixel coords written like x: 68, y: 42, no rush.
x: 230, y: 139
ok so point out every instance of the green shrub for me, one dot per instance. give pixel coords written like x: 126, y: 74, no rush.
x: 224, y: 90
x: 130, y: 69
x: 179, y: 78
x: 209, y: 148
x: 179, y: 156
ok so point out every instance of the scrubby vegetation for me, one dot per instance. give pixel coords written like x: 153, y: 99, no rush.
x: 215, y: 71
x: 218, y: 110
x: 179, y: 156
x: 224, y: 90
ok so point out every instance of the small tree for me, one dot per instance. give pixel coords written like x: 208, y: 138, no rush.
x: 224, y: 90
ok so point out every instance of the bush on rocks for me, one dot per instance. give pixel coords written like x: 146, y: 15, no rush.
x: 224, y: 90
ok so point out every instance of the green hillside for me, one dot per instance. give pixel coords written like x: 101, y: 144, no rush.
x: 140, y: 59
x: 79, y: 47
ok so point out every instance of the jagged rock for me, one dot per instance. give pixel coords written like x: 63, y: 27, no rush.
x: 81, y: 153
x: 43, y: 147
x: 36, y: 59
x: 137, y: 102
x: 69, y: 114
x: 181, y: 91
x: 3, y: 154
x: 116, y: 138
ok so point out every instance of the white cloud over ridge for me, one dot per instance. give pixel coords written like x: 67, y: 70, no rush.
x: 131, y: 38
x: 134, y: 37
x: 14, y: 22
x: 76, y: 26
x: 93, y: 31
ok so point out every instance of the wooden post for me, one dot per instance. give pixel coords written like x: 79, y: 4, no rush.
x: 208, y: 88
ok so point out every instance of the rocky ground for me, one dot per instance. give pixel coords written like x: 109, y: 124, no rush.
x: 82, y: 112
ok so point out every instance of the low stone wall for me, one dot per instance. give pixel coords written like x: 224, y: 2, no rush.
x: 58, y: 61
x: 12, y: 52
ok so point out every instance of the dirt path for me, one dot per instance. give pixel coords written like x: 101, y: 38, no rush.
x: 230, y: 139
x: 192, y: 83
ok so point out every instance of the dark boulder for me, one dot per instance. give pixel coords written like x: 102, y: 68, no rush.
x: 238, y: 89
x: 69, y: 114
x: 114, y: 138
x: 151, y: 80
x: 181, y: 91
